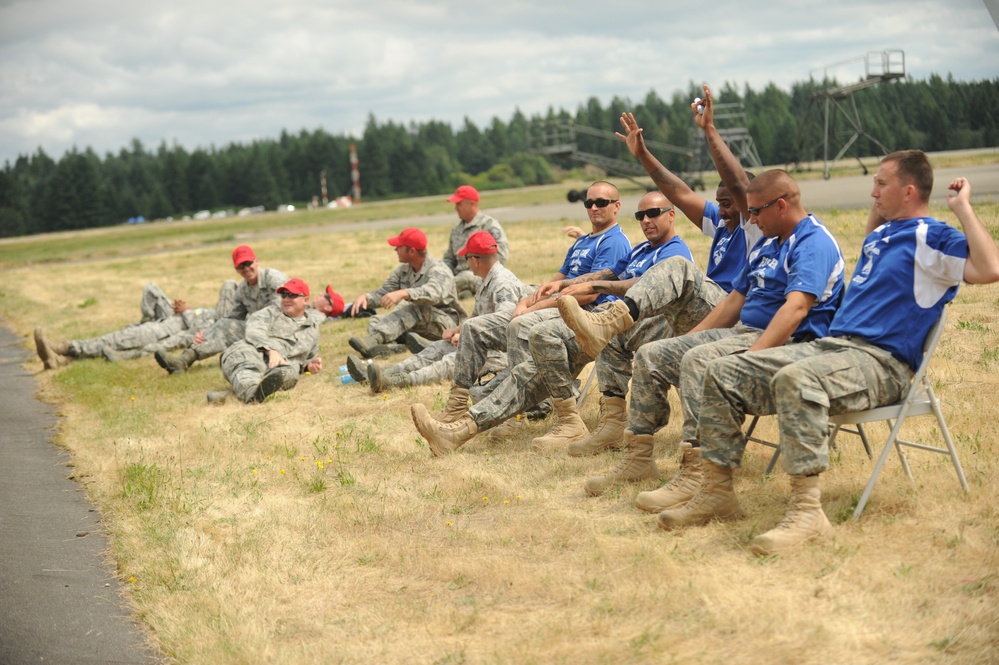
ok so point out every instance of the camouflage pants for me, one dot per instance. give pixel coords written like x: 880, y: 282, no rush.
x: 155, y: 305
x: 244, y: 366
x: 803, y: 384
x: 518, y: 333
x: 680, y: 362
x: 134, y: 337
x: 410, y: 317
x: 466, y: 280
x: 433, y: 364
x: 479, y: 336
x: 219, y: 336
x: 521, y: 390
x: 557, y: 356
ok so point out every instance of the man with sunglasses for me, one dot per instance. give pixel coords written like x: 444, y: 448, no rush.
x: 257, y: 290
x: 421, y: 291
x: 470, y: 220
x: 787, y: 293
x: 603, y: 247
x: 281, y: 342
x: 910, y: 267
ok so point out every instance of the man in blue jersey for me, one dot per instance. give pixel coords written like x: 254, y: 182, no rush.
x: 555, y: 358
x: 788, y: 292
x: 911, y: 266
x: 603, y: 247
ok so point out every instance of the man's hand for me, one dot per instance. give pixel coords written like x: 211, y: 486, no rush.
x: 449, y: 333
x: 455, y: 338
x: 199, y: 338
x: 393, y: 298
x: 707, y: 118
x: 360, y: 303
x: 958, y: 194
x: 547, y: 290
x: 315, y: 365
x: 180, y: 306
x: 633, y: 134
x: 274, y: 358
x: 577, y: 290
x: 572, y: 231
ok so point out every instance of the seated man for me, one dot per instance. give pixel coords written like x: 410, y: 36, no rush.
x: 555, y: 356
x: 910, y: 268
x: 257, y: 290
x: 470, y: 220
x: 421, y: 288
x: 499, y: 291
x: 788, y: 291
x: 282, y: 341
x: 158, y: 330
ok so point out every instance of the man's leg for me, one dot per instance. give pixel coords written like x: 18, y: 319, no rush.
x: 131, y: 337
x: 559, y: 360
x: 155, y: 305
x: 518, y: 334
x: 466, y: 283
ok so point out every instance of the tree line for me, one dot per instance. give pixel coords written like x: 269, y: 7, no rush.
x: 83, y: 190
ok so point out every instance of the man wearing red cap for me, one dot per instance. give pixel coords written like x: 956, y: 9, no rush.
x: 499, y: 291
x: 471, y: 220
x: 281, y: 342
x: 421, y: 289
x: 257, y: 290
x: 330, y: 303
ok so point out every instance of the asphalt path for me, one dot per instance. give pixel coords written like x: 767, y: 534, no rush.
x: 59, y: 599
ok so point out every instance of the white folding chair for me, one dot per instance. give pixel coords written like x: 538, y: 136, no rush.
x: 920, y: 400
x: 587, y: 386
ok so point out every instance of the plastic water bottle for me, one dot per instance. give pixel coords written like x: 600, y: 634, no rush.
x: 347, y: 378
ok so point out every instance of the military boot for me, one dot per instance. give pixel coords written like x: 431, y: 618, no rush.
x: 415, y: 342
x: 804, y: 521
x: 443, y: 438
x: 51, y: 355
x: 357, y: 368
x: 271, y: 383
x: 218, y: 396
x: 568, y: 427
x: 637, y: 465
x: 381, y: 379
x: 595, y: 329
x: 389, y: 349
x: 364, y: 345
x: 715, y: 499
x: 456, y: 407
x: 176, y: 363
x: 680, y: 489
x: 609, y: 432
x: 507, y: 428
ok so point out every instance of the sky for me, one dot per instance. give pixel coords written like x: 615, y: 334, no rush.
x: 98, y: 73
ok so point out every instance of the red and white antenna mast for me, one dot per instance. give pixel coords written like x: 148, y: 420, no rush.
x: 355, y: 176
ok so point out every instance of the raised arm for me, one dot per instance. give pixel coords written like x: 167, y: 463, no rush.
x: 982, y: 266
x: 675, y: 189
x: 733, y: 176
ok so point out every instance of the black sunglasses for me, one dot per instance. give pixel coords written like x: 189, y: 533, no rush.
x: 651, y: 212
x: 289, y: 294
x: 600, y: 203
x: 244, y: 265
x: 757, y: 209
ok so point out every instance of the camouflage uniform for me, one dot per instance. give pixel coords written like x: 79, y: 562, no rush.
x: 142, y: 339
x: 433, y: 305
x: 248, y: 299
x: 499, y: 292
x: 245, y: 362
x: 155, y: 305
x: 464, y: 280
x: 803, y: 384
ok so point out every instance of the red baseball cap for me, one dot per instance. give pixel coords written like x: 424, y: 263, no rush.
x: 242, y: 254
x: 296, y: 286
x: 410, y: 237
x: 480, y: 242
x: 464, y: 193
x: 336, y: 301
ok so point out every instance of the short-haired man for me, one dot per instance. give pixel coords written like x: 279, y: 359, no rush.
x: 257, y: 290
x: 329, y: 303
x: 910, y: 267
x: 420, y: 288
x: 788, y: 292
x: 499, y: 291
x: 470, y: 220
x: 282, y: 341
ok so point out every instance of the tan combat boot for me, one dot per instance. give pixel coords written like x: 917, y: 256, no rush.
x: 637, y: 465
x: 609, y: 433
x: 443, y: 438
x: 715, y: 499
x: 680, y: 489
x: 381, y: 379
x: 51, y: 355
x: 176, y: 363
x: 456, y: 407
x: 804, y: 521
x: 507, y: 428
x: 594, y: 329
x: 568, y: 427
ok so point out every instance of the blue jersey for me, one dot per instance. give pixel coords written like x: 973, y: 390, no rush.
x: 809, y: 261
x: 729, y: 249
x: 593, y: 253
x: 909, y: 270
x: 645, y: 256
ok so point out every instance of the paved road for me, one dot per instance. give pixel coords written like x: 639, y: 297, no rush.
x: 59, y: 600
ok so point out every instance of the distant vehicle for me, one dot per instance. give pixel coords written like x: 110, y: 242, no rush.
x: 243, y: 212
x: 286, y: 208
x: 136, y: 220
x: 219, y: 214
x: 203, y: 214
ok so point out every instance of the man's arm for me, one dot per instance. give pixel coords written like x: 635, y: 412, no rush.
x: 548, y: 289
x: 982, y: 266
x: 785, y: 321
x: 675, y: 189
x: 732, y: 174
x: 615, y: 287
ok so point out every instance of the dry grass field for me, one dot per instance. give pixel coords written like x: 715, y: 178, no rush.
x: 318, y: 528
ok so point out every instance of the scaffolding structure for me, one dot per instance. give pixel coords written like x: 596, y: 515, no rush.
x: 733, y: 127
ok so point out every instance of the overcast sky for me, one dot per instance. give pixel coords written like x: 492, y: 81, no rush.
x: 99, y: 72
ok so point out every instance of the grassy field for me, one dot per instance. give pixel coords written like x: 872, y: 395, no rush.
x: 317, y: 527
